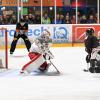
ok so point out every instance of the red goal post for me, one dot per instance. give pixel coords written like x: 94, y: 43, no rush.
x: 3, y: 48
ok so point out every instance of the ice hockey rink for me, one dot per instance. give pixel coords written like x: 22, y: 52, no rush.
x: 72, y: 84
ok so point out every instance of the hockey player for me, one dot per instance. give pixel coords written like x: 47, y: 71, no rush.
x: 21, y: 32
x: 91, y: 42
x: 39, y: 54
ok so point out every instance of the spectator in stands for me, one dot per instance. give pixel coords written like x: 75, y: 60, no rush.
x: 73, y: 20
x: 13, y: 20
x: 0, y: 20
x: 67, y: 20
x: 57, y: 19
x: 79, y: 17
x: 46, y: 19
x: 91, y: 19
x: 5, y: 20
x: 38, y: 19
x: 27, y: 19
x: 83, y: 20
x: 32, y: 19
x: 62, y: 19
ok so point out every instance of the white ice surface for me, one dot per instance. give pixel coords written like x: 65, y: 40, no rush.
x: 72, y: 84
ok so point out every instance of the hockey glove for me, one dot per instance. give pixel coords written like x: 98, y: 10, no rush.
x: 48, y: 55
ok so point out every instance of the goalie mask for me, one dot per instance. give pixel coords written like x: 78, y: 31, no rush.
x: 45, y: 35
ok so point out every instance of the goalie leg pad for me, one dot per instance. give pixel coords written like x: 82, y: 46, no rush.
x: 36, y: 61
x: 33, y: 55
x: 43, y: 67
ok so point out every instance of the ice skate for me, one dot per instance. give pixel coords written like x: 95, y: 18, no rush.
x: 87, y: 68
x: 11, y: 52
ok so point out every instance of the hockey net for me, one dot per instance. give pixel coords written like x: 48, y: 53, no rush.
x: 3, y: 48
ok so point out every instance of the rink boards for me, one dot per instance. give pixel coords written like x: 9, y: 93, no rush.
x: 62, y: 34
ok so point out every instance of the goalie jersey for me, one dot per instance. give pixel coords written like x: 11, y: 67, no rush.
x: 39, y: 54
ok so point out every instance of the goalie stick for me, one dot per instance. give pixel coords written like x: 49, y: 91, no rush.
x: 55, y: 67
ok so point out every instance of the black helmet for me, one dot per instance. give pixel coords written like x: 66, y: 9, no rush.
x: 89, y: 31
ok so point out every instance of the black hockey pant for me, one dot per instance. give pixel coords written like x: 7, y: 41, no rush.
x: 88, y: 58
x: 15, y: 40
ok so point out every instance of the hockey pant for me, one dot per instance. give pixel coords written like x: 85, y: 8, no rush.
x: 88, y: 58
x: 37, y: 62
x: 15, y: 40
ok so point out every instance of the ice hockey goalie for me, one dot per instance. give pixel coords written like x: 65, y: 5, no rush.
x: 39, y: 54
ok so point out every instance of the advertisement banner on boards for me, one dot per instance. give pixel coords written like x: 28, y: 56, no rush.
x: 80, y: 30
x: 60, y: 33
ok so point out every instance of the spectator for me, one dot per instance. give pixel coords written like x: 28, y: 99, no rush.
x: 67, y: 20
x: 0, y: 20
x: 62, y: 19
x: 13, y: 20
x: 27, y: 19
x: 83, y: 20
x: 57, y: 20
x: 38, y: 19
x: 5, y: 20
x: 32, y: 19
x: 46, y: 19
x: 91, y: 19
x: 79, y: 17
x: 73, y: 19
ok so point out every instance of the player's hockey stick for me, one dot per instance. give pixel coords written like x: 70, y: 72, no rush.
x: 55, y: 67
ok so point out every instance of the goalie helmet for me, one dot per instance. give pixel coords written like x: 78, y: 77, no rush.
x: 45, y: 35
x: 89, y: 32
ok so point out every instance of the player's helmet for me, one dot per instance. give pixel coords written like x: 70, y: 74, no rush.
x: 22, y: 20
x: 89, y: 31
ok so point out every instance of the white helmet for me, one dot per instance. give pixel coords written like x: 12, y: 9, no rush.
x: 45, y: 34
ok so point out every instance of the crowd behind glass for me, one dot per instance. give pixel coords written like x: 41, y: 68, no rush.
x: 49, y: 18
